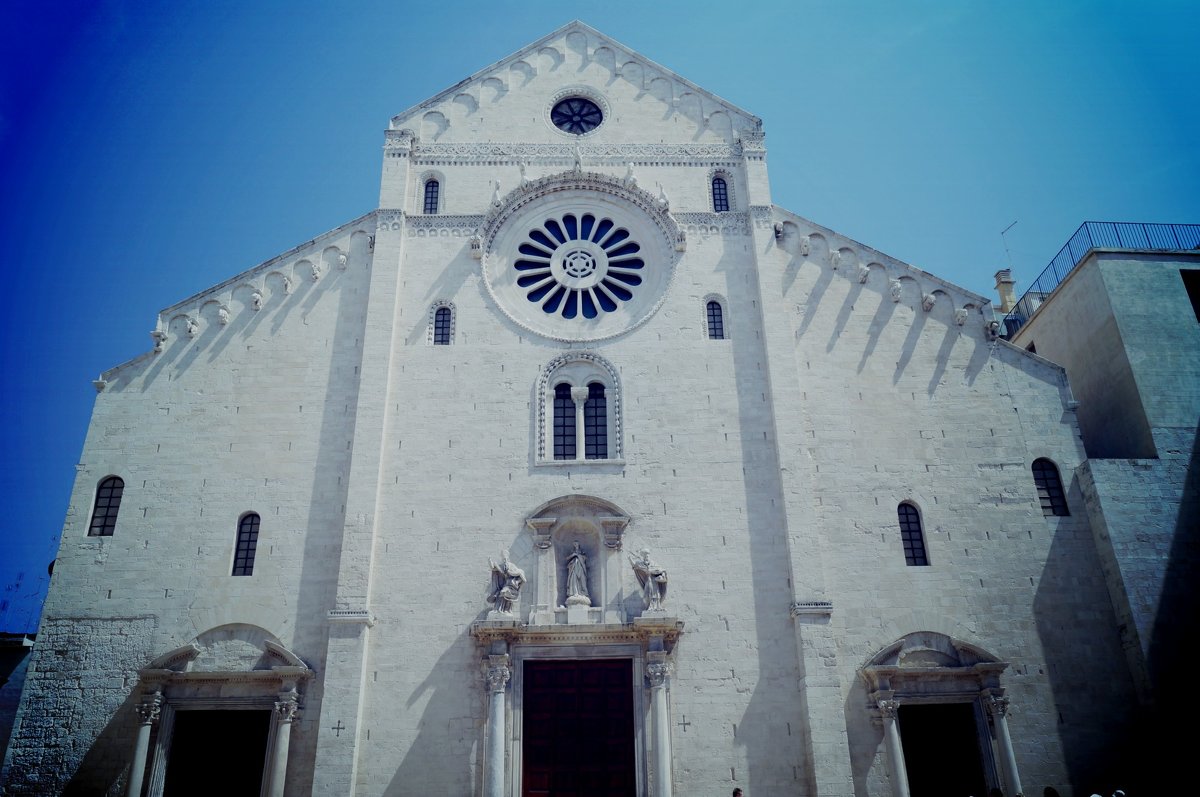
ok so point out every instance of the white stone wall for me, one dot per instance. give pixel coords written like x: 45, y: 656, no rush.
x: 761, y: 470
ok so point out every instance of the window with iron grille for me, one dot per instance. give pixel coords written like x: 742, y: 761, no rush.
x: 720, y: 195
x: 432, y: 187
x: 441, y: 327
x: 564, y: 423
x: 108, y: 503
x: 1049, y: 488
x: 595, y: 423
x: 912, y: 536
x: 716, y: 321
x: 247, y: 544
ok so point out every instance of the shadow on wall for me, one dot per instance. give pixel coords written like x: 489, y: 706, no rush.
x: 864, y: 737
x: 105, y: 768
x: 1171, y: 666
x: 1092, y: 687
x: 454, y: 697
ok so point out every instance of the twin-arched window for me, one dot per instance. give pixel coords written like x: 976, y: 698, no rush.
x: 1049, y: 488
x: 106, y: 506
x: 579, y: 415
x: 432, y: 195
x: 570, y: 403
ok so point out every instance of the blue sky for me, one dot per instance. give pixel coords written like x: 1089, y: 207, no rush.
x: 149, y: 150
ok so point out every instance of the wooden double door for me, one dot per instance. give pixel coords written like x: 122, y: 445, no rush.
x: 578, y: 729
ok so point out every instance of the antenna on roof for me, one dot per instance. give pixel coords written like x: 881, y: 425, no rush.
x: 1007, y: 253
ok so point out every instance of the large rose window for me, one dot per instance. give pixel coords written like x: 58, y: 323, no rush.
x: 579, y: 257
x: 576, y: 264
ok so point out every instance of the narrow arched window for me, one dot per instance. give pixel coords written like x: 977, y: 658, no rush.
x: 716, y: 321
x: 247, y: 545
x: 564, y: 423
x: 595, y: 423
x: 912, y: 536
x: 441, y: 327
x: 108, y: 503
x: 1049, y: 488
x: 432, y: 187
x: 720, y: 194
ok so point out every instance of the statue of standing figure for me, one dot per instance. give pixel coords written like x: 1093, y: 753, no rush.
x: 507, y: 579
x: 652, y: 578
x: 577, y: 579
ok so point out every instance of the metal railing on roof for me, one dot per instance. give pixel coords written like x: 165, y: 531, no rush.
x: 1094, y: 235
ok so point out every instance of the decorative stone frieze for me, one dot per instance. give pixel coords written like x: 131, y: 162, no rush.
x: 811, y: 608
x: 512, y: 153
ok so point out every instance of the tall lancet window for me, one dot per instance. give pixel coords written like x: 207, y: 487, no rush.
x: 595, y: 423
x: 912, y: 536
x: 564, y: 423
x: 716, y: 321
x: 432, y: 188
x: 441, y: 327
x: 247, y: 545
x: 720, y: 194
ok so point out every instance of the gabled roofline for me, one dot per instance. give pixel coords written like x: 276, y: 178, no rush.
x: 982, y: 300
x: 242, y: 276
x: 574, y: 24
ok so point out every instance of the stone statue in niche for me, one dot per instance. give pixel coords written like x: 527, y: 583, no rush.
x: 341, y: 261
x: 193, y: 328
x: 652, y: 578
x: 256, y: 300
x: 960, y: 316
x: 928, y: 301
x: 524, y: 178
x: 577, y: 579
x: 664, y: 201
x: 896, y: 289
x: 507, y: 580
x: 496, y: 195
x: 223, y: 315
x: 578, y: 166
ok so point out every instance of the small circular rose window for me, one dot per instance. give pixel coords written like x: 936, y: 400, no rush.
x: 579, y: 265
x: 576, y: 115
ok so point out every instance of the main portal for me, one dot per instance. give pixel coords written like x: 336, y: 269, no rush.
x: 578, y: 729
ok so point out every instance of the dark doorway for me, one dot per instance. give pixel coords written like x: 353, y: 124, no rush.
x: 941, y: 750
x: 578, y: 729
x: 219, y: 752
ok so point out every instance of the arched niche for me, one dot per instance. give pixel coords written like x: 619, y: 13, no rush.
x: 925, y: 669
x: 597, y: 527
x: 235, y: 668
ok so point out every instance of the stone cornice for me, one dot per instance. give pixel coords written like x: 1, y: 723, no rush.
x: 505, y: 152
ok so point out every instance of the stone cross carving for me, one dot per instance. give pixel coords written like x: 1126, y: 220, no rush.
x: 652, y: 578
x: 577, y: 579
x: 507, y: 580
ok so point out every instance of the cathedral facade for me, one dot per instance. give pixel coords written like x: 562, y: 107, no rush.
x: 578, y: 467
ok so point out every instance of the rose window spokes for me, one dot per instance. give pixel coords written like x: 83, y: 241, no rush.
x: 576, y: 115
x: 579, y: 265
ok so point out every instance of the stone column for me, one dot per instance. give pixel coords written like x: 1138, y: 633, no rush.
x: 579, y: 396
x: 891, y: 737
x: 285, y: 711
x: 657, y: 673
x: 147, y: 712
x: 997, y: 706
x: 498, y: 676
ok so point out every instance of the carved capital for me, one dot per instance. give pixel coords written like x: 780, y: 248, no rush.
x: 159, y: 337
x: 996, y: 705
x: 579, y: 394
x: 863, y: 273
x: 498, y: 676
x: 657, y: 673
x: 287, y: 708
x: 888, y: 708
x: 149, y: 710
